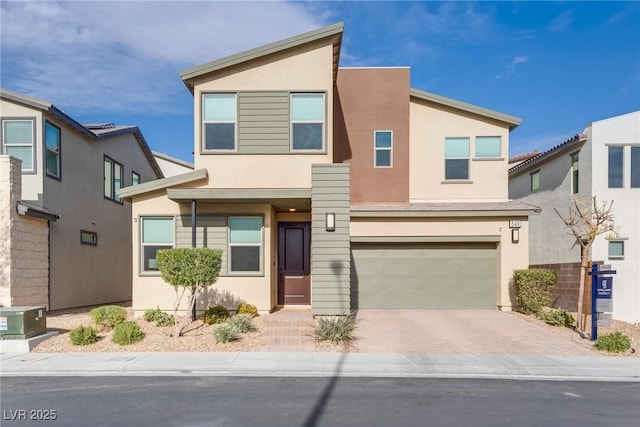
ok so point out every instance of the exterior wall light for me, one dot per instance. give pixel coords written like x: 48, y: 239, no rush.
x: 330, y: 221
x: 515, y: 235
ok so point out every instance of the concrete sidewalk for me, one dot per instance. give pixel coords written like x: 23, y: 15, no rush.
x: 273, y: 364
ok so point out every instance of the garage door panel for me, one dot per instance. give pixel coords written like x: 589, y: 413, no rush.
x: 433, y: 276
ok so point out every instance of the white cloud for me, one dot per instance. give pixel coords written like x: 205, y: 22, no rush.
x: 126, y: 56
x: 562, y: 21
x: 511, y: 68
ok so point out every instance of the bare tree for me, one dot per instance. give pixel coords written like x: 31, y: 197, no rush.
x: 586, y: 219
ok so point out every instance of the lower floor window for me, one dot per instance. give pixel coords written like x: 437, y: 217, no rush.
x: 616, y: 249
x: 245, y: 244
x: 156, y: 233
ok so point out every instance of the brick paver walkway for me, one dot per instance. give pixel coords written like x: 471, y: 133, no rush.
x: 288, y: 330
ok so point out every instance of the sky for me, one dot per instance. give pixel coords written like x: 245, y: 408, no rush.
x: 557, y: 65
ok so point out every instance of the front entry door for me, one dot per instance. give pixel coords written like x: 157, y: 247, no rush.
x: 294, y: 259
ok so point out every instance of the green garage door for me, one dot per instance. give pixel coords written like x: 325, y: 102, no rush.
x: 424, y: 275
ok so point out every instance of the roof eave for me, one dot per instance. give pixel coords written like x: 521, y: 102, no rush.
x: 512, y: 121
x: 128, y: 193
x: 329, y: 31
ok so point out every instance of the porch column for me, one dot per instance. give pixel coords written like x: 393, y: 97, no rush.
x: 193, y: 242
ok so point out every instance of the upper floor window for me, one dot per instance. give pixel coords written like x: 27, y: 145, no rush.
x: 488, y: 146
x: 616, y: 162
x: 156, y: 233
x: 245, y: 244
x: 383, y: 148
x: 456, y: 154
x: 219, y: 116
x: 635, y: 167
x: 52, y: 149
x: 535, y: 180
x: 112, y: 179
x: 616, y: 249
x: 575, y: 173
x: 307, y: 121
x: 135, y: 178
x: 18, y: 141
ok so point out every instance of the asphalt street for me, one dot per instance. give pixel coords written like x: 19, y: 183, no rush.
x: 310, y: 402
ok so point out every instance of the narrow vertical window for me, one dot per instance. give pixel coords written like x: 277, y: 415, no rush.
x: 135, y: 178
x: 108, y: 176
x: 52, y: 149
x: 535, y: 180
x: 575, y: 174
x: 307, y: 121
x: 18, y: 141
x: 245, y: 244
x: 113, y: 174
x: 456, y: 154
x: 383, y: 146
x: 616, y: 159
x: 219, y: 114
x: 156, y: 233
x: 635, y: 167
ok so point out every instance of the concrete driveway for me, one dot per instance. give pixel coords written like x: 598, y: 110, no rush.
x: 457, y: 331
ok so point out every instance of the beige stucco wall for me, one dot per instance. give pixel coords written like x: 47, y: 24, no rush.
x: 24, y: 261
x: 31, y: 182
x: 430, y: 124
x: 305, y: 68
x: 511, y: 256
x: 150, y: 291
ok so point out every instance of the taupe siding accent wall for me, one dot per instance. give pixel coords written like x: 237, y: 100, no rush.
x: 211, y: 232
x: 263, y: 122
x: 330, y: 254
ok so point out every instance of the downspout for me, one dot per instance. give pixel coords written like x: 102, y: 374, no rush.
x: 193, y: 243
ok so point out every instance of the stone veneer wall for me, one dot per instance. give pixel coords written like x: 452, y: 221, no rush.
x: 24, y: 245
x: 565, y: 294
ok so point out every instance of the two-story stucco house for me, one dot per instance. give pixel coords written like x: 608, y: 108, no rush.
x: 65, y: 234
x: 603, y: 161
x: 334, y: 188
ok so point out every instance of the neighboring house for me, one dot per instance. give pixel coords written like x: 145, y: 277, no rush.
x: 604, y: 162
x: 171, y: 166
x: 66, y: 234
x: 335, y: 188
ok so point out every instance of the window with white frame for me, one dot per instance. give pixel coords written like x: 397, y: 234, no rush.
x: 18, y: 141
x: 575, y: 173
x: 616, y: 249
x: 635, y: 167
x: 383, y: 144
x: 155, y: 233
x: 113, y: 172
x: 535, y: 180
x: 616, y: 162
x: 488, y: 146
x: 245, y: 244
x: 219, y: 116
x: 307, y: 121
x: 456, y: 155
x: 52, y: 150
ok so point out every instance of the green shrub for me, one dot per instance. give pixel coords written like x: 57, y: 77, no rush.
x: 108, y: 316
x: 225, y: 333
x: 160, y: 317
x: 335, y: 329
x: 83, y: 335
x: 533, y: 288
x: 242, y: 323
x: 557, y: 317
x: 214, y: 315
x: 249, y: 309
x: 127, y: 333
x: 615, y: 342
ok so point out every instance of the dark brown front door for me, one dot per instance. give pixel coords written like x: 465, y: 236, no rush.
x: 294, y: 247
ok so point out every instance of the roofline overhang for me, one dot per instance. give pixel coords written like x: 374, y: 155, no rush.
x: 512, y: 121
x: 34, y: 211
x: 541, y: 158
x: 236, y: 195
x: 442, y: 213
x: 128, y: 193
x: 334, y: 30
x: 172, y: 159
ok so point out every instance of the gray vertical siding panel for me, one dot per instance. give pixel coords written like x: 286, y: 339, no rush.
x: 330, y: 269
x: 263, y: 122
x: 211, y: 232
